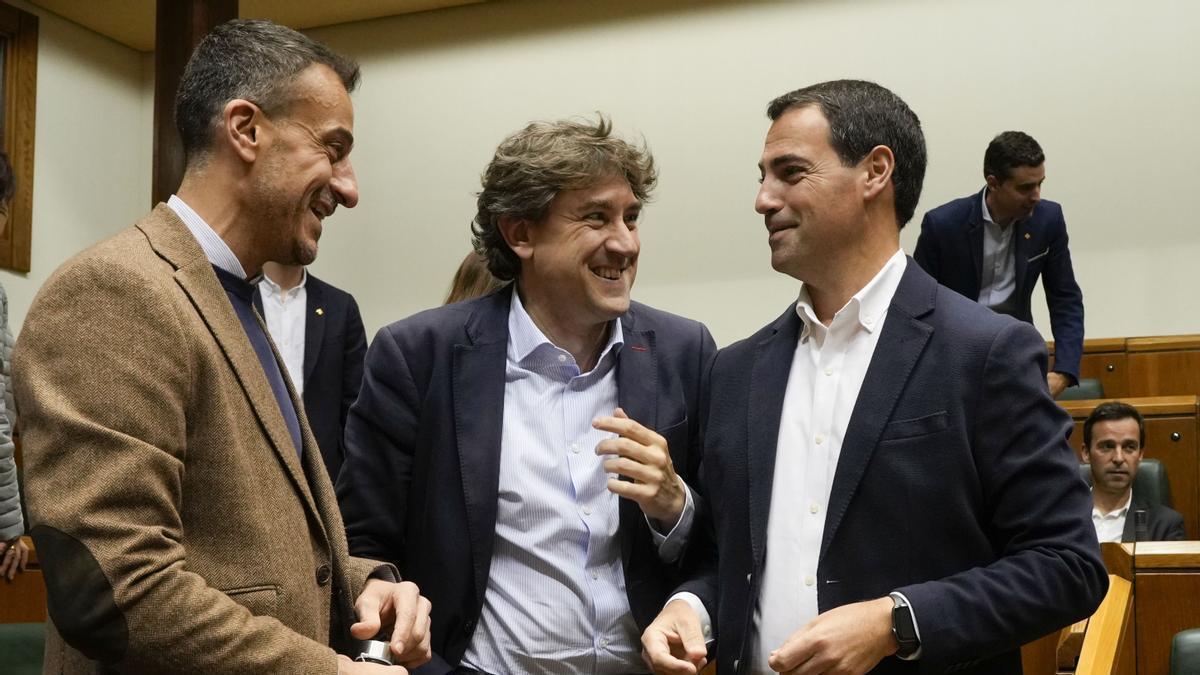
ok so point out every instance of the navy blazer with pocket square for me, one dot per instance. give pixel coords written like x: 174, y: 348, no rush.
x: 950, y: 249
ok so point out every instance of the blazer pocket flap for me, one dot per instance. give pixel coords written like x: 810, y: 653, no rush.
x: 1039, y: 256
x: 260, y: 600
x: 919, y: 426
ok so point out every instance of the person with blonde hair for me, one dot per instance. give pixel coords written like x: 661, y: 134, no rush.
x: 472, y: 280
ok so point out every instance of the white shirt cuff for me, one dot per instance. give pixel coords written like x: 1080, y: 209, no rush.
x: 698, y: 607
x: 670, y: 545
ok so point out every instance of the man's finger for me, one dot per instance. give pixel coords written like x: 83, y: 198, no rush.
x: 627, y: 447
x: 638, y: 492
x: 406, y: 606
x: 628, y: 428
x: 657, y: 653
x: 637, y: 471
x: 367, y: 606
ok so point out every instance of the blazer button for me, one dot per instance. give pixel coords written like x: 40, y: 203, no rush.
x: 323, y: 575
x: 469, y: 626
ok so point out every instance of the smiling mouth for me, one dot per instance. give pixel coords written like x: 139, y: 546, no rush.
x: 608, y: 273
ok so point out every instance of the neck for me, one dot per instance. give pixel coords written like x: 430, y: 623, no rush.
x: 209, y: 196
x: 286, y: 276
x: 848, y: 275
x: 1001, y: 219
x: 583, y: 340
x: 1107, y: 502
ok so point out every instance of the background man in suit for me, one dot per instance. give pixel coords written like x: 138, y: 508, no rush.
x: 992, y: 246
x: 182, y: 515
x: 522, y: 455
x: 886, y: 471
x: 321, y: 339
x: 1114, y: 436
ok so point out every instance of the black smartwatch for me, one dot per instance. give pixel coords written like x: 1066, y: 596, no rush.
x: 904, y: 628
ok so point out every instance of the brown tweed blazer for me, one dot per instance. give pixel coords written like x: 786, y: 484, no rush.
x: 178, y: 529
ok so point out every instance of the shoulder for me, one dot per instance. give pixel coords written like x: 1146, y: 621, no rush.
x: 1049, y: 213
x: 955, y: 212
x: 645, y: 317
x: 327, y: 290
x: 450, y: 324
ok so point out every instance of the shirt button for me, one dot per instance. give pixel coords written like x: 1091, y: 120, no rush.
x: 604, y: 642
x: 595, y: 574
x: 575, y: 448
x: 829, y: 371
x: 819, y: 439
x: 809, y: 581
x: 587, y: 510
x: 562, y: 358
x: 814, y: 508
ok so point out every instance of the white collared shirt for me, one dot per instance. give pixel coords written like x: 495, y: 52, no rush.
x: 998, y: 276
x: 214, y: 247
x: 1111, y: 526
x: 286, y: 313
x: 828, y: 368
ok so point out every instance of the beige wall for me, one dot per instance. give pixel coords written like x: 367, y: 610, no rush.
x: 1109, y: 88
x: 93, y: 148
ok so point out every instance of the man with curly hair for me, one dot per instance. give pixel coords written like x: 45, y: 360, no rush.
x: 523, y: 456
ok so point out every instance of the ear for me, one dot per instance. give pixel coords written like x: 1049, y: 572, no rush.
x: 517, y: 233
x: 993, y: 182
x: 242, y: 128
x: 879, y: 165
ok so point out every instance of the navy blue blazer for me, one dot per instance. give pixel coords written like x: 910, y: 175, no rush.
x: 420, y: 481
x: 955, y: 486
x: 950, y: 248
x: 335, y: 344
x: 1162, y: 522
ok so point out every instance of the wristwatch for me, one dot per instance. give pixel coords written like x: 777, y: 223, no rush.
x: 904, y: 627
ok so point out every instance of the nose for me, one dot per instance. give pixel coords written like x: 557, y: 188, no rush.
x: 1036, y: 195
x: 624, y: 241
x: 767, y: 202
x: 344, y: 184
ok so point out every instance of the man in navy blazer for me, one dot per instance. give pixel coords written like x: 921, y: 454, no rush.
x: 524, y: 454
x: 993, y: 245
x: 889, y: 481
x: 334, y: 346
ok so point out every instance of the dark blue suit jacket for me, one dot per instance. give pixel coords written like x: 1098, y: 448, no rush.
x: 950, y: 248
x: 955, y: 485
x: 335, y: 344
x: 420, y: 482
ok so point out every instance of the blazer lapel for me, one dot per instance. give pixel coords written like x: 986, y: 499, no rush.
x: 478, y: 423
x: 170, y: 238
x: 637, y: 394
x: 900, y: 344
x: 314, y: 326
x: 1023, y: 248
x: 768, y: 384
x: 975, y: 240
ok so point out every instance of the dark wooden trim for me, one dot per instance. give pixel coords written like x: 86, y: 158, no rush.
x: 20, y: 30
x: 179, y: 27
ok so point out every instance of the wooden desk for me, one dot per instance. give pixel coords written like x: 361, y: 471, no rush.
x: 1166, y: 599
x: 1172, y: 428
x: 1161, y: 365
x: 23, y: 600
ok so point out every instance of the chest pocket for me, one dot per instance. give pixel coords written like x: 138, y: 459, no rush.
x: 917, y: 426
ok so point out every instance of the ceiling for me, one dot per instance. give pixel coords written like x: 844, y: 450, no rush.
x: 131, y: 22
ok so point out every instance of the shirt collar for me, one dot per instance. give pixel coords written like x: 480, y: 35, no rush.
x: 868, y: 306
x: 525, y: 338
x: 277, y: 290
x: 987, y: 214
x: 214, y: 247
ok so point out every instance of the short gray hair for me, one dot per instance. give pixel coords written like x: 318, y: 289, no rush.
x: 250, y: 59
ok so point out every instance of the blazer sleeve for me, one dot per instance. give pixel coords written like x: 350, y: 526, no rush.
x: 104, y: 372
x: 1064, y: 299
x: 1048, y: 572
x: 380, y: 439
x: 926, y: 253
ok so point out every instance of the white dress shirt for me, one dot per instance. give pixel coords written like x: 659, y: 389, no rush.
x: 998, y: 276
x: 286, y: 313
x: 214, y: 247
x: 1111, y: 526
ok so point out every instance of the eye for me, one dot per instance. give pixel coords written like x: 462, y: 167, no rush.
x: 631, y: 219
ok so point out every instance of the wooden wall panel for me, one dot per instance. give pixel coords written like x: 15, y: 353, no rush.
x: 1155, y: 373
x: 1164, y: 604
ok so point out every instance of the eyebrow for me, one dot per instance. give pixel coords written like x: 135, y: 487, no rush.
x: 784, y: 159
x: 604, y: 205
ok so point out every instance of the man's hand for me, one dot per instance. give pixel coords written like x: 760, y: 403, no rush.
x: 348, y: 667
x: 402, y: 606
x: 1057, y: 383
x: 846, y: 640
x: 642, y: 455
x: 673, y: 642
x: 13, y: 556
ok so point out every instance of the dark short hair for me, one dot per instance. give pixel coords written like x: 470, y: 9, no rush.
x: 253, y: 59
x: 1112, y: 411
x: 8, y: 180
x: 1009, y: 150
x: 861, y: 116
x: 536, y: 163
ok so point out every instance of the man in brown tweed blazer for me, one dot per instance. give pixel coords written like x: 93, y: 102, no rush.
x: 179, y: 503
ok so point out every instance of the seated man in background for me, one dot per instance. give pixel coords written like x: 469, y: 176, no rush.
x: 492, y: 437
x: 1114, y: 436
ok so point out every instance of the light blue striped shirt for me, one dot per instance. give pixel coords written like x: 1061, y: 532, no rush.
x: 214, y: 247
x: 555, y: 600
